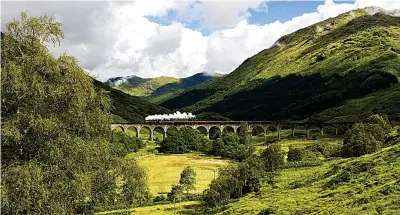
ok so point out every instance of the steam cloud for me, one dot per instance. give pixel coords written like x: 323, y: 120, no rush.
x: 177, y: 115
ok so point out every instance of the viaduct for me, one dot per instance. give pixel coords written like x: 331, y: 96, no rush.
x: 231, y: 126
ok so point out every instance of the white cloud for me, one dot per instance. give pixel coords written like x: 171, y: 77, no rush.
x: 118, y: 39
x: 217, y: 14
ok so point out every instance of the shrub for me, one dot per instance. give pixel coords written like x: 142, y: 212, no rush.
x: 393, y: 140
x: 160, y: 198
x: 254, y: 170
x: 328, y: 149
x: 207, y: 147
x: 299, y: 157
x: 303, y: 163
x: 295, y: 154
x: 267, y: 211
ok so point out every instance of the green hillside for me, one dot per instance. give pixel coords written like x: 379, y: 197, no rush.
x: 335, y: 70
x: 127, y: 108
x: 159, y: 89
x: 142, y: 87
x: 363, y: 185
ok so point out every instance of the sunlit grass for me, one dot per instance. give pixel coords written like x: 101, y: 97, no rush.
x: 374, y: 191
x: 166, y: 209
x: 164, y: 170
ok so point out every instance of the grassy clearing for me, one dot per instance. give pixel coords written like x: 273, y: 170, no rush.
x: 164, y: 170
x: 166, y: 209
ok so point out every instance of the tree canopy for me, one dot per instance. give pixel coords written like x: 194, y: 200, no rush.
x: 188, y: 179
x: 55, y: 126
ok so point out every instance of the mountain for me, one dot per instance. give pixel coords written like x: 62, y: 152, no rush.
x: 157, y: 90
x: 128, y: 108
x: 341, y: 69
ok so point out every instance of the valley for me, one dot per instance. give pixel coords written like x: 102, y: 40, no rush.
x: 310, y: 125
x: 311, y: 190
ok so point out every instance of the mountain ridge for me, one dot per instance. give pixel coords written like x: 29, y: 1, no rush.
x: 128, y: 108
x: 159, y: 89
x: 355, y: 50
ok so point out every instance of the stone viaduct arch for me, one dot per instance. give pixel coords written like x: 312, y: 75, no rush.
x: 265, y: 126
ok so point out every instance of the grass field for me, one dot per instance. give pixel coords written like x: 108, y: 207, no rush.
x: 164, y: 170
x: 166, y: 209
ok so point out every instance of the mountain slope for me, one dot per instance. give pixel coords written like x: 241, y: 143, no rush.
x: 159, y: 89
x: 127, y: 108
x: 308, y: 72
x: 369, y: 184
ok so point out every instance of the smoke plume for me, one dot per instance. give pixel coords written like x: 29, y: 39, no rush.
x: 178, y: 115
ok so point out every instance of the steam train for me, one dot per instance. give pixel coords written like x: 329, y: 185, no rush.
x: 160, y: 121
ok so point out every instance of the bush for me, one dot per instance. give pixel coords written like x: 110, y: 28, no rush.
x: 207, y: 147
x: 328, y: 149
x: 160, y: 198
x: 299, y: 157
x: 295, y: 154
x: 303, y: 163
x: 393, y: 141
x: 267, y: 211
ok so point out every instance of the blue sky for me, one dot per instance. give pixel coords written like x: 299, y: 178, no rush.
x: 276, y: 11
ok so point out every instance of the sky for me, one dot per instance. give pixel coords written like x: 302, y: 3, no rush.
x: 152, y: 38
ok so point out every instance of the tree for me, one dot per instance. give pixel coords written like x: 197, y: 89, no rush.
x: 243, y: 134
x: 183, y: 141
x: 122, y: 144
x: 188, y: 179
x: 253, y: 170
x: 55, y: 127
x: 359, y: 141
x: 134, y: 182
x: 378, y: 126
x: 227, y: 185
x: 273, y: 157
x: 176, y: 193
x: 229, y: 146
x: 366, y: 138
x: 234, y: 181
